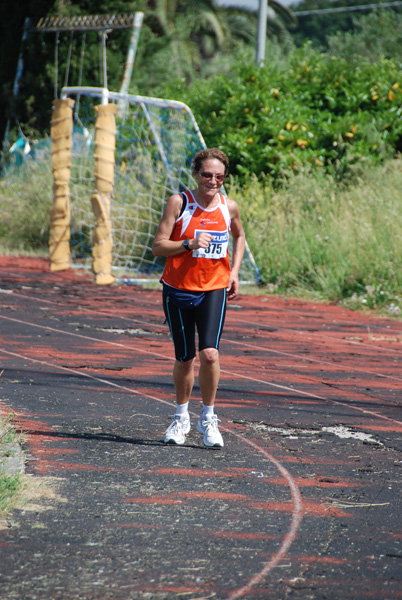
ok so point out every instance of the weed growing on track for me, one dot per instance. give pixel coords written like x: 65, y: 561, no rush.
x: 12, y: 484
x: 19, y: 490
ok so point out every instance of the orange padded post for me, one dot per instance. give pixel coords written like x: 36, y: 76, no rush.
x: 61, y: 131
x: 105, y: 143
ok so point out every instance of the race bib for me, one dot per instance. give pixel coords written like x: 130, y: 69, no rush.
x: 218, y: 246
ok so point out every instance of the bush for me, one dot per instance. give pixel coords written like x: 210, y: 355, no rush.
x: 26, y: 198
x: 311, y: 110
x: 365, y: 42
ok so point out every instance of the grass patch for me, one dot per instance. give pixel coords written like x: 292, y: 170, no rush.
x: 12, y: 485
x: 317, y: 238
x: 25, y: 202
x: 20, y: 491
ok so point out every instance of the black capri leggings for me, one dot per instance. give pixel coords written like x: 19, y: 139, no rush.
x: 208, y: 318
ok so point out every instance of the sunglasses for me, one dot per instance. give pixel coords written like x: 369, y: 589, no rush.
x: 207, y: 175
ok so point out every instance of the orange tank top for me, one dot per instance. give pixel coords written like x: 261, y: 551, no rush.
x: 200, y: 270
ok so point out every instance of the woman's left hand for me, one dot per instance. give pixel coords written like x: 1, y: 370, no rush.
x: 233, y: 287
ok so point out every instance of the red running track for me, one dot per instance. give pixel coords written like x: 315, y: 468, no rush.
x: 303, y: 502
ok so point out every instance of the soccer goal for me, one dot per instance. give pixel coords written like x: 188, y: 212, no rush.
x: 155, y: 141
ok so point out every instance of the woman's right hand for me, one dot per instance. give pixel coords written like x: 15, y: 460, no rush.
x: 201, y: 241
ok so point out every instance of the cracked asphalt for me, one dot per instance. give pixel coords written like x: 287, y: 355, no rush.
x: 304, y: 501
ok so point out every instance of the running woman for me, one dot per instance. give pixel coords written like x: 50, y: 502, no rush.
x: 198, y: 278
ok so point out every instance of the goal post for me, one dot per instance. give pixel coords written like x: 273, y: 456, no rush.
x: 155, y: 142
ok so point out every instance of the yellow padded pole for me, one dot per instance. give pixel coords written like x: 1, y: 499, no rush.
x: 105, y: 143
x: 61, y: 131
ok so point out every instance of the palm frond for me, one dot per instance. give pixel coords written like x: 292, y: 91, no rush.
x: 283, y: 13
x: 215, y: 25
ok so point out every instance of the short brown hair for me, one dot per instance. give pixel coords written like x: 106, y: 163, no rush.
x: 207, y: 154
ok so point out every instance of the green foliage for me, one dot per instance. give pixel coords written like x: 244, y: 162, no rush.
x: 179, y: 38
x: 320, y: 27
x: 11, y: 485
x: 364, y: 42
x: 183, y: 39
x: 316, y: 238
x: 10, y: 489
x: 25, y: 201
x: 308, y: 111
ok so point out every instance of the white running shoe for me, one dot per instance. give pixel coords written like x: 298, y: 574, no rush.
x: 209, y: 429
x: 177, y: 430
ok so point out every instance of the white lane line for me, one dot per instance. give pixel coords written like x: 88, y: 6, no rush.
x: 297, y: 514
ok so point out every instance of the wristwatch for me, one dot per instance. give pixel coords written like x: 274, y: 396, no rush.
x: 186, y: 245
